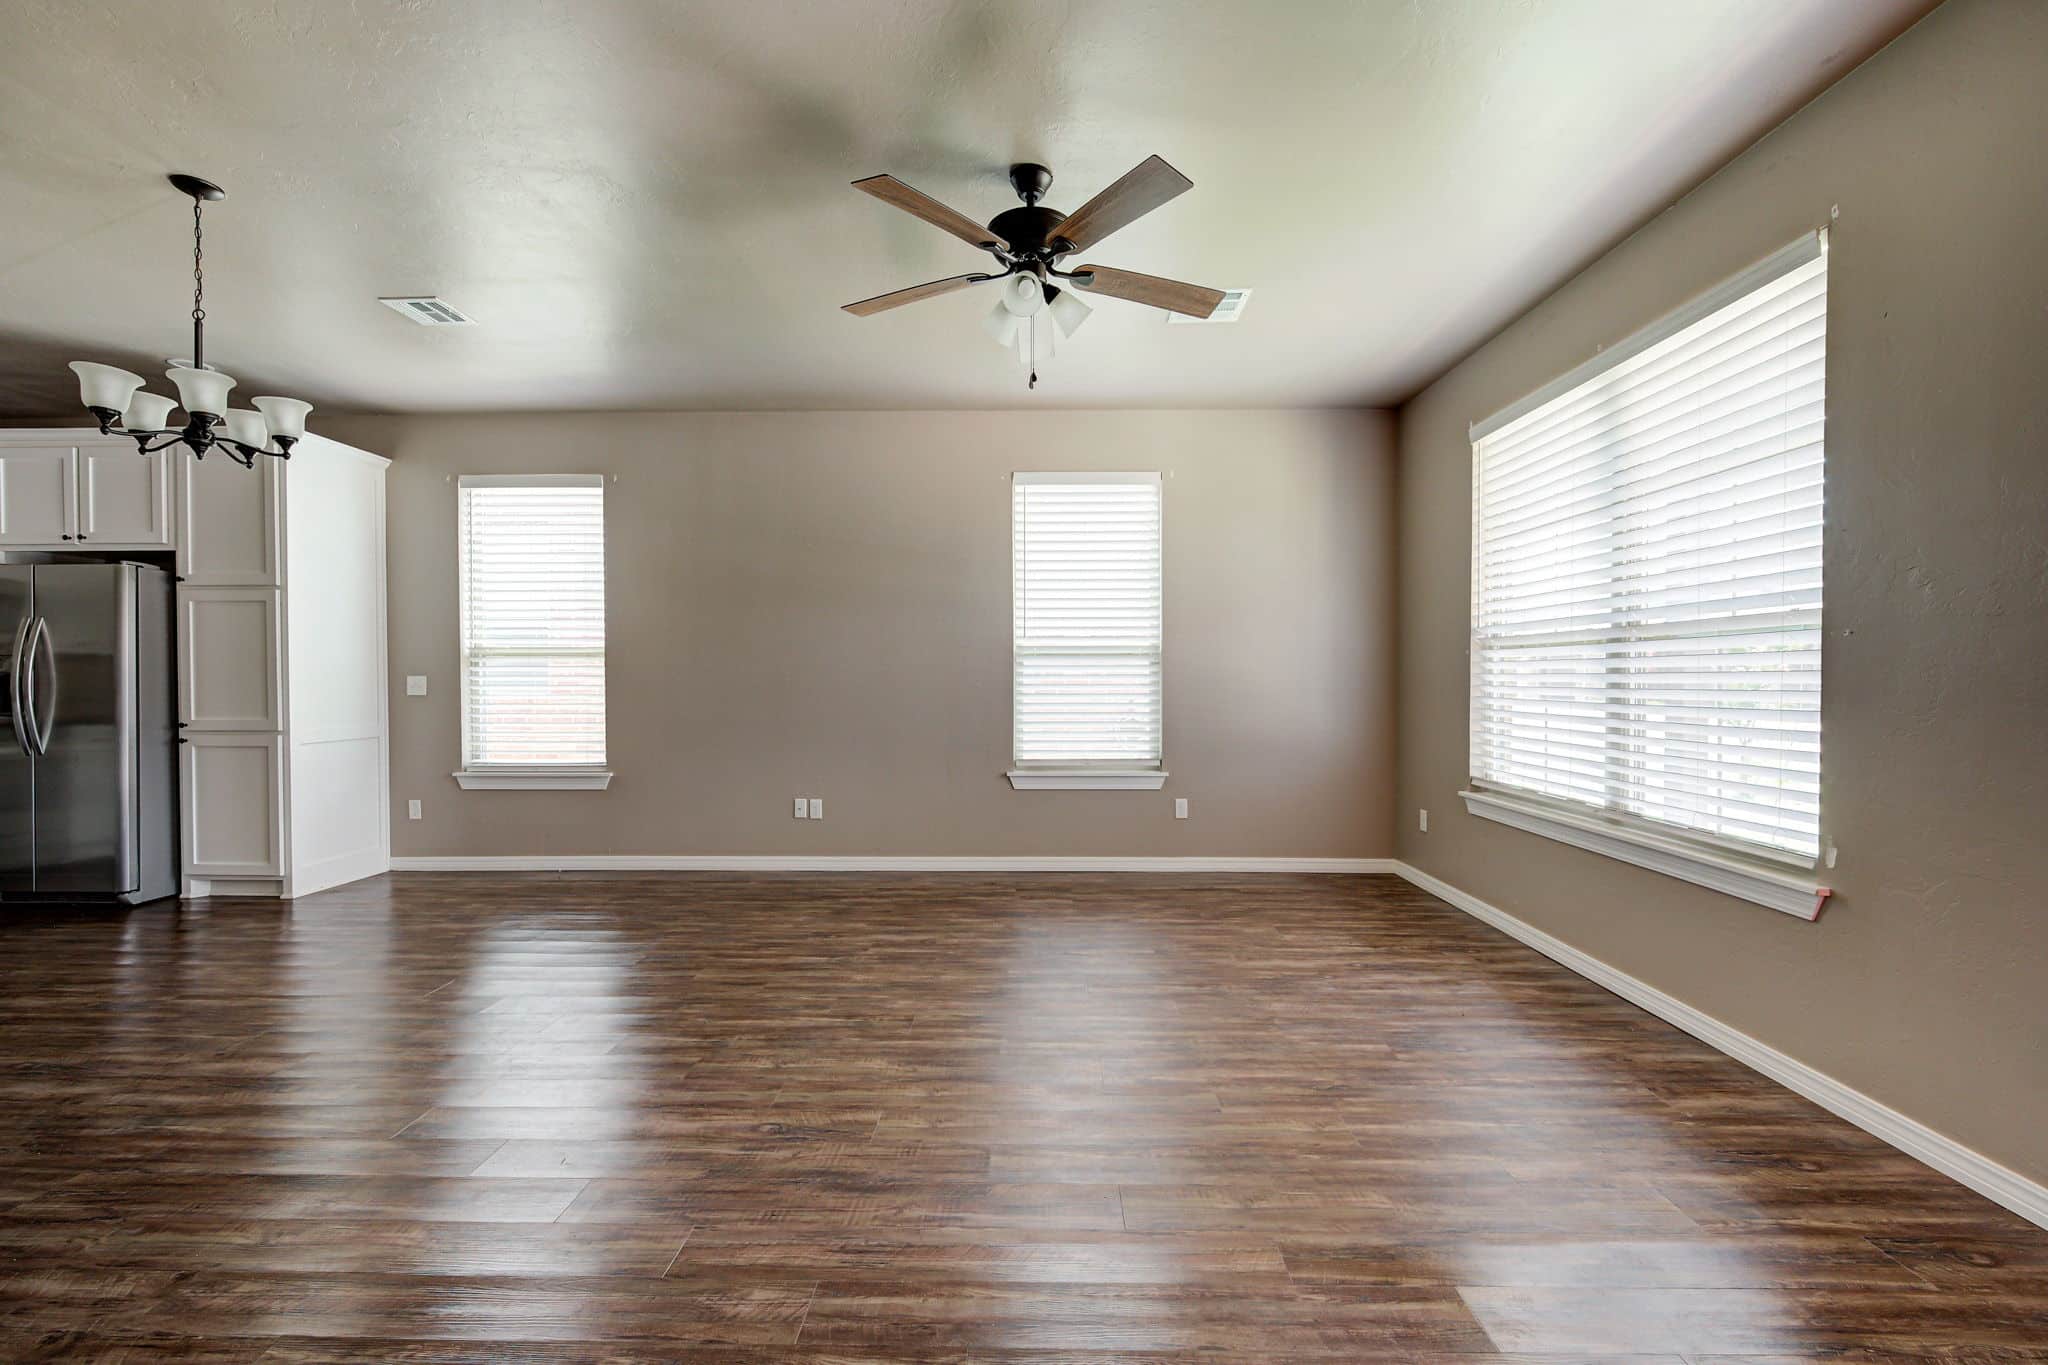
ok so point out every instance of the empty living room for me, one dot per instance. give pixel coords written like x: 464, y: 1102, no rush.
x: 1024, y: 681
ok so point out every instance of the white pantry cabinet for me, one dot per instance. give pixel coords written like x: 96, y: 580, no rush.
x: 83, y: 490
x: 283, y: 736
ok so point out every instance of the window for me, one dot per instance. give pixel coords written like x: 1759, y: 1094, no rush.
x: 1086, y: 560
x: 532, y: 630
x: 1646, y: 601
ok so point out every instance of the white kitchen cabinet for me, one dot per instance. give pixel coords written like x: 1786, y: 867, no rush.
x: 283, y: 754
x: 228, y: 523
x: 233, y: 806
x: 38, y: 504
x: 231, y: 668
x: 124, y: 497
x: 94, y: 491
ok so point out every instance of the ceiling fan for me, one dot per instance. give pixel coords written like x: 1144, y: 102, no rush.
x: 1029, y: 242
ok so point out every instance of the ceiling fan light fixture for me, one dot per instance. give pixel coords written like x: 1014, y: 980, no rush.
x: 1024, y: 294
x: 1068, y: 312
x: 1003, y: 324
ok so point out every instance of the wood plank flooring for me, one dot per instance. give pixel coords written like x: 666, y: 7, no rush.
x: 931, y: 1118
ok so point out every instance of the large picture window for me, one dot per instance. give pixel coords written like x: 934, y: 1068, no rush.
x: 533, y: 647
x: 1646, y: 603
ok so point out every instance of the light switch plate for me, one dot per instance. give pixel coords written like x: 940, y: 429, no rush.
x: 817, y: 808
x: 1180, y: 808
x: 803, y: 809
x: 412, y: 810
x: 415, y: 684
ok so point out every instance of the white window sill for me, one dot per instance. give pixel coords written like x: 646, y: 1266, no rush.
x: 533, y: 779
x: 1087, y: 780
x: 1786, y: 889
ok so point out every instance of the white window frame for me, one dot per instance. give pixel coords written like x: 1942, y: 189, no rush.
x: 1027, y: 776
x: 1770, y: 877
x: 475, y: 776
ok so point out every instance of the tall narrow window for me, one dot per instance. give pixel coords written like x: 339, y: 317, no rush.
x: 532, y: 630
x: 1086, y: 570
x: 1646, y: 602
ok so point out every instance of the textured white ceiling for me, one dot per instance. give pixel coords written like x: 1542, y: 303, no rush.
x: 645, y: 202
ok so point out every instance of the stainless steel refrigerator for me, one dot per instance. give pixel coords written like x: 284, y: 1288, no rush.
x: 88, y: 745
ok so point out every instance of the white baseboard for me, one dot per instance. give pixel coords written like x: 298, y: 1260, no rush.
x: 725, y: 862
x: 2000, y: 1184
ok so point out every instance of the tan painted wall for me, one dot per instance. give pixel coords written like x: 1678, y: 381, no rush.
x: 1926, y: 983
x: 819, y: 604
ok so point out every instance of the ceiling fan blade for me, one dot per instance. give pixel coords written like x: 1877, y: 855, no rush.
x: 1197, y: 301
x: 881, y: 303
x: 1143, y: 188
x: 890, y: 190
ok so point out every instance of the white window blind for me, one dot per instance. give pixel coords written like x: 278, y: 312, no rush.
x: 1646, y: 614
x: 532, y: 620
x: 1086, y: 567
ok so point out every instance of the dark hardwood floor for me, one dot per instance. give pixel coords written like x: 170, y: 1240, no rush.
x: 866, y: 1118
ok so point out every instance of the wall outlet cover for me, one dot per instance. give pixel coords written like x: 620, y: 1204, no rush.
x: 415, y: 684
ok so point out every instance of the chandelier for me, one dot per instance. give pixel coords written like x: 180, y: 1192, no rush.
x: 117, y: 399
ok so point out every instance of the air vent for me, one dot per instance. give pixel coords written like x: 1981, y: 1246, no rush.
x: 1230, y: 310
x: 430, y: 312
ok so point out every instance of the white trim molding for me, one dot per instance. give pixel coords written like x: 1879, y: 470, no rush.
x: 533, y: 779
x: 1787, y: 890
x: 1086, y: 780
x: 1999, y: 1183
x: 777, y: 862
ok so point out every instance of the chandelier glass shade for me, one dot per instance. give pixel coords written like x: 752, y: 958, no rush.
x: 116, y: 398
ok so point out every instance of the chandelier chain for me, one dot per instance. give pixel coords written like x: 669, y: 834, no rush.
x: 198, y: 289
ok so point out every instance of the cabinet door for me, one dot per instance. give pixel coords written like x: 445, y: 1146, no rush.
x: 124, y: 496
x: 233, y: 811
x: 37, y: 487
x: 228, y: 521
x: 229, y: 674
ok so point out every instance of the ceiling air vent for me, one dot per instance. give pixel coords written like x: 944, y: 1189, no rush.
x: 430, y: 312
x: 1230, y: 310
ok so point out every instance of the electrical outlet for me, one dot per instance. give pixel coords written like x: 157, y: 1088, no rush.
x: 1180, y: 808
x: 415, y: 684
x: 817, y: 808
x: 803, y: 809
x: 1425, y: 822
x: 412, y: 810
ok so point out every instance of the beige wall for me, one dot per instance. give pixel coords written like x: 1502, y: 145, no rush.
x: 819, y: 604
x: 1925, y: 984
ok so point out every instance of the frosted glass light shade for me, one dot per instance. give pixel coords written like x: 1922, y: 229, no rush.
x: 1023, y: 295
x: 1003, y: 325
x: 147, y: 412
x: 286, y: 416
x: 105, y: 386
x: 201, y: 390
x: 247, y: 427
x: 1068, y: 311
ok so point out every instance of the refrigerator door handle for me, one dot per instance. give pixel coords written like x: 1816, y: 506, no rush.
x: 17, y: 681
x: 42, y: 702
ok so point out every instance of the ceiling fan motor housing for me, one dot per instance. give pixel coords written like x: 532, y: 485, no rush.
x: 1029, y: 231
